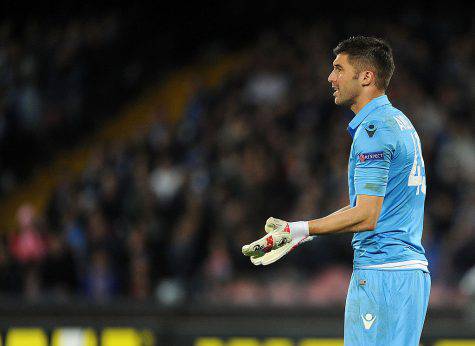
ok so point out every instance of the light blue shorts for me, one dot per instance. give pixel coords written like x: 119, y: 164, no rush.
x: 386, y: 307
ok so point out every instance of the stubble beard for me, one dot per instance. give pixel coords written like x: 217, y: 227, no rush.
x: 348, y: 102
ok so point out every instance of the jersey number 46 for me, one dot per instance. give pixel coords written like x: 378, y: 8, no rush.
x: 417, y: 176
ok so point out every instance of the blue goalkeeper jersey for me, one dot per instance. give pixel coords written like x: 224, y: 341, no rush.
x: 386, y: 160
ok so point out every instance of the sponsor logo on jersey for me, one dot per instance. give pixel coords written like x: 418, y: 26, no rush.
x: 370, y: 130
x: 368, y: 320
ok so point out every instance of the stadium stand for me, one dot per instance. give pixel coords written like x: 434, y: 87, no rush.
x: 157, y: 206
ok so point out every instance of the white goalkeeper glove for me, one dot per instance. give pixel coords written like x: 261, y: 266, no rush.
x: 282, y: 237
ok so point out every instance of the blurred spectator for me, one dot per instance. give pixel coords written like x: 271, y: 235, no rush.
x: 28, y: 245
x: 29, y: 249
x: 100, y: 281
x: 59, y: 275
x: 139, y: 264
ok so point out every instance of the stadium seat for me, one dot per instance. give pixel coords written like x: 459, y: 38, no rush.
x: 74, y: 337
x: 243, y: 342
x: 26, y: 337
x: 321, y: 342
x: 208, y: 342
x: 120, y: 337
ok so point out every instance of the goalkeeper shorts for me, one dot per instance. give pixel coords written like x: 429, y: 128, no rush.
x: 386, y: 307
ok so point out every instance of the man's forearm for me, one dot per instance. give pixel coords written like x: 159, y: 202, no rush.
x: 347, y: 220
x: 342, y: 209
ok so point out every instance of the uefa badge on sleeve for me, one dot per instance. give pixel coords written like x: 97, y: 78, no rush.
x: 379, y: 155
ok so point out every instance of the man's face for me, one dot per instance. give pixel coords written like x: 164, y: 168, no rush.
x: 344, y: 81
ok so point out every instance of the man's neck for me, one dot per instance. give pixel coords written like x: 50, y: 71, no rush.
x: 362, y: 100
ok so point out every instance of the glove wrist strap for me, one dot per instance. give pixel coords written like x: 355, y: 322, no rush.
x: 299, y: 229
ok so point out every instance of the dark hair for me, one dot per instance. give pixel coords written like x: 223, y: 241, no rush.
x: 369, y: 52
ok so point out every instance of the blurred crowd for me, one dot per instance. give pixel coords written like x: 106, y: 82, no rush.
x: 164, y: 216
x: 56, y: 79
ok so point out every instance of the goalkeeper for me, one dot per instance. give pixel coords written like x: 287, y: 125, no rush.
x: 390, y: 285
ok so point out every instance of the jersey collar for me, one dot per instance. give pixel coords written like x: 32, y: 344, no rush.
x: 364, y: 112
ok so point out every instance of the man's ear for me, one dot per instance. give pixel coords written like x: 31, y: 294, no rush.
x: 367, y: 77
